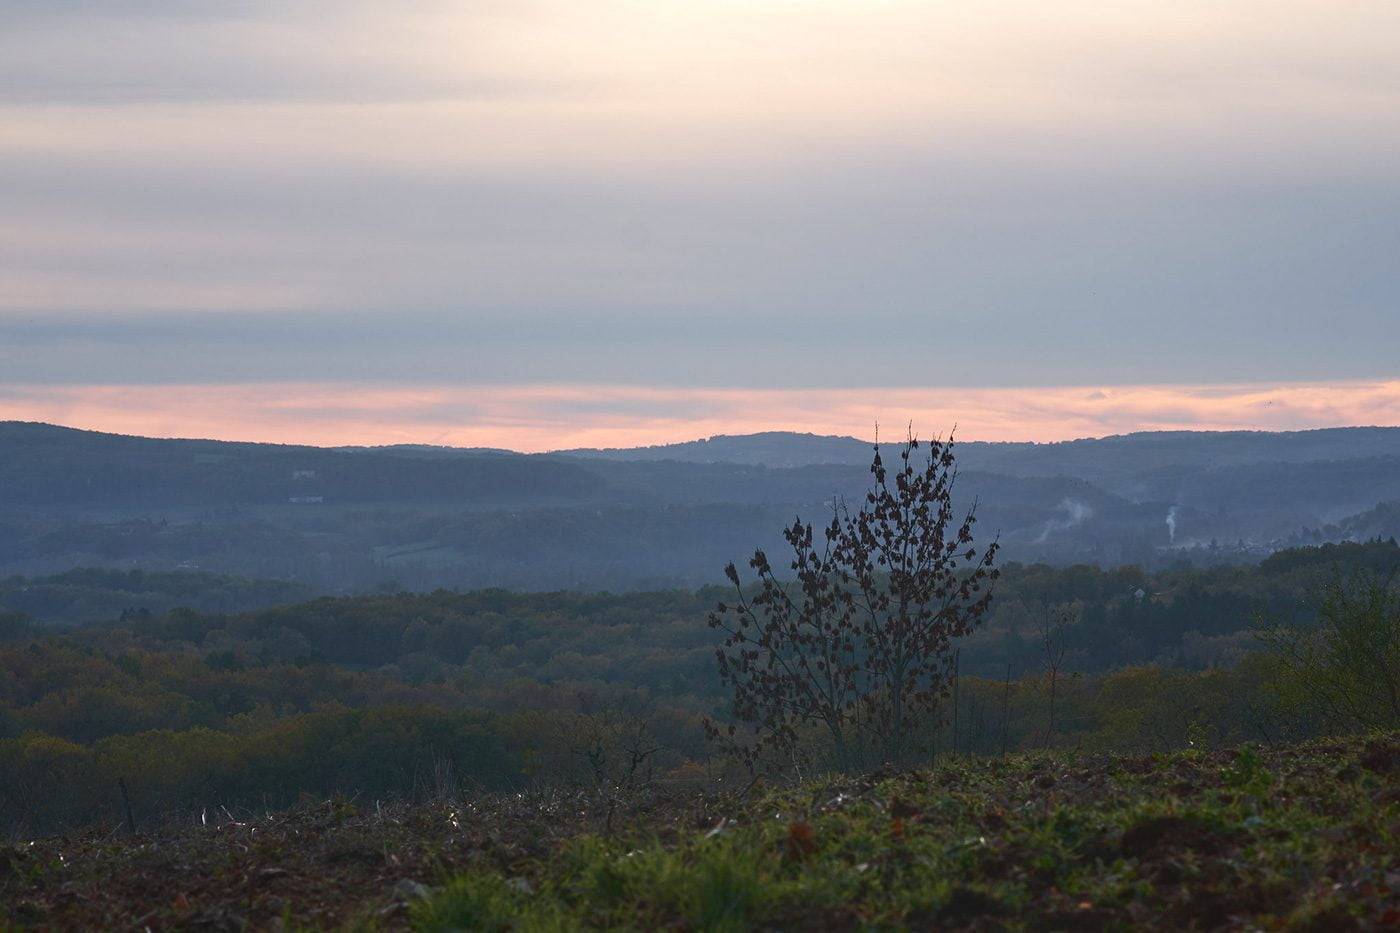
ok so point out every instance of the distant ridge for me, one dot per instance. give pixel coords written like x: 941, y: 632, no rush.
x: 47, y: 466
x: 669, y: 515
x: 1086, y: 457
x: 766, y: 448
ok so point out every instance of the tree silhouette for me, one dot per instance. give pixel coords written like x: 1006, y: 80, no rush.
x: 858, y: 643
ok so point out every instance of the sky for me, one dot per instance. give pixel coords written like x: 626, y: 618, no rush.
x: 550, y: 224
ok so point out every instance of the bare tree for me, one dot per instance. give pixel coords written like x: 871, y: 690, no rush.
x: 1052, y: 625
x: 859, y: 643
x: 612, y: 736
x: 614, y: 739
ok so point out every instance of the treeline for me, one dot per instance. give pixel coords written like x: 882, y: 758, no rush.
x: 96, y: 594
x: 53, y: 782
x: 398, y: 742
x: 404, y: 694
x: 184, y: 732
x: 1187, y: 617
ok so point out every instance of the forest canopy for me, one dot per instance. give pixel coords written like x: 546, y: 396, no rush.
x: 252, y: 708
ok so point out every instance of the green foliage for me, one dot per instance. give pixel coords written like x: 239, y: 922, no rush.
x: 1248, y: 774
x: 726, y: 891
x: 409, y: 695
x: 470, y: 902
x: 1347, y: 663
x: 717, y: 888
x: 1044, y: 840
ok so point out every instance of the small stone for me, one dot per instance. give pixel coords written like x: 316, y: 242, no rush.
x: 409, y: 890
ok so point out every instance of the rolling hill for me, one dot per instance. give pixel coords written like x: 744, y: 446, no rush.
x: 351, y: 519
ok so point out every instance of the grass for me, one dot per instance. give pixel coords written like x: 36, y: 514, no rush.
x: 1290, y: 837
x: 1305, y: 837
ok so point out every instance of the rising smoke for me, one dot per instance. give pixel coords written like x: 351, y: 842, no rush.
x: 1075, y: 513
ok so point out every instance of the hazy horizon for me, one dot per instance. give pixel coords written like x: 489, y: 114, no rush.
x: 342, y: 423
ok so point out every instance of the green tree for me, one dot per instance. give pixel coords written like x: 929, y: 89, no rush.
x: 1345, y: 666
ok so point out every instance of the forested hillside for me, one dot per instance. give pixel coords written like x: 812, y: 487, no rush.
x: 356, y: 520
x: 47, y: 467
x: 376, y: 694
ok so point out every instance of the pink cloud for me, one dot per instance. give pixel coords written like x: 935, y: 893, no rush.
x: 545, y: 417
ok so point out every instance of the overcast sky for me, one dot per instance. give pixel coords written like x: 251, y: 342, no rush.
x: 487, y: 200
